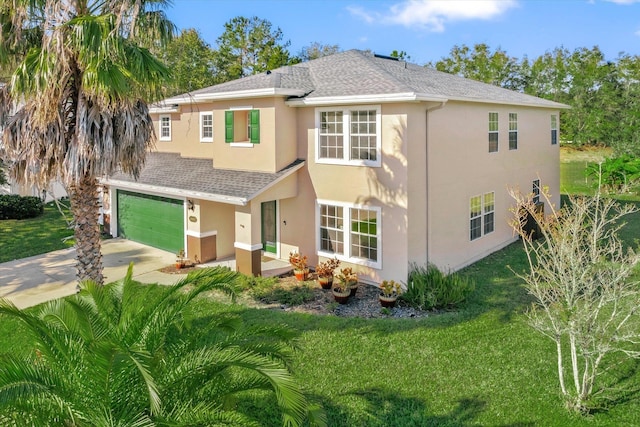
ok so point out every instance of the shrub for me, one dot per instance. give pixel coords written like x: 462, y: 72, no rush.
x: 13, y: 206
x: 428, y: 287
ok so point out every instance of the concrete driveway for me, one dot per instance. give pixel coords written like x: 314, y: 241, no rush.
x: 31, y: 281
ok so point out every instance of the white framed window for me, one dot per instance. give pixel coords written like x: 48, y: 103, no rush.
x: 165, y: 128
x: 349, y: 135
x: 493, y: 132
x: 554, y: 129
x: 513, y: 131
x: 536, y: 191
x: 206, y: 126
x: 352, y: 233
x: 482, y: 215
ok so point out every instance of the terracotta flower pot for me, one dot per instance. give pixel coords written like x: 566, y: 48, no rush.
x: 387, y: 302
x: 353, y: 289
x: 301, y: 275
x: 340, y: 296
x: 325, y: 281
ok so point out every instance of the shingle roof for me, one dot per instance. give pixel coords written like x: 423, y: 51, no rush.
x: 358, y: 73
x: 171, y: 171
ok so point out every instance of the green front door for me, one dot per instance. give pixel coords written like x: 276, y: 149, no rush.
x: 153, y: 220
x: 269, y: 237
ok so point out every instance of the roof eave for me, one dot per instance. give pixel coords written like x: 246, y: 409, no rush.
x: 365, y: 99
x: 190, y: 98
x: 552, y: 104
x: 176, y: 192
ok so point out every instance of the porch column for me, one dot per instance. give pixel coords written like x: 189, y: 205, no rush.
x: 248, y: 241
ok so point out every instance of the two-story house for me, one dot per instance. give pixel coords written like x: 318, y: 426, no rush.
x: 372, y: 160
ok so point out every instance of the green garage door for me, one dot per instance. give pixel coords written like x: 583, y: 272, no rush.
x: 152, y: 220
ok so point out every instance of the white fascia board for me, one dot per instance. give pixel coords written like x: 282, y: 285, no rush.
x: 175, y: 192
x: 286, y: 175
x: 251, y: 93
x: 554, y: 106
x: 366, y: 99
x: 173, y: 108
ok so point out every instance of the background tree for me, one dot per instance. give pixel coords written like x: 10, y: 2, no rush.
x: 587, y: 300
x: 111, y: 355
x: 401, y: 55
x: 479, y: 63
x: 191, y: 61
x: 82, y: 93
x: 250, y: 46
x: 317, y: 50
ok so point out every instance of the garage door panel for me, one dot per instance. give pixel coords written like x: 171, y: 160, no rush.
x: 152, y: 220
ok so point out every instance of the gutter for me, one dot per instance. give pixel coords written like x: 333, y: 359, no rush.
x: 176, y: 192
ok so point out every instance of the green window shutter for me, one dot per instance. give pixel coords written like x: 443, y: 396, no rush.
x: 254, y: 125
x: 228, y: 126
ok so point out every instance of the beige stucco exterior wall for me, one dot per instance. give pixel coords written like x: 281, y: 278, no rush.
x: 384, y: 187
x: 218, y: 217
x: 460, y: 167
x: 277, y: 137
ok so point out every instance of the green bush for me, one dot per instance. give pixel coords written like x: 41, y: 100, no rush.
x: 428, y: 287
x: 616, y: 172
x: 13, y: 206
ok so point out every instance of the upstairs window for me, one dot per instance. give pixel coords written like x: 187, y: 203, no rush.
x: 554, y: 129
x: 206, y: 127
x: 349, y: 136
x: 242, y: 126
x: 513, y: 131
x: 482, y: 215
x: 165, y: 128
x: 493, y: 132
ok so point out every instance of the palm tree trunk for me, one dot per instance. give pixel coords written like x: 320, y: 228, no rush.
x: 85, y: 208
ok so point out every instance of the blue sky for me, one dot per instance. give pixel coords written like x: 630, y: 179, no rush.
x: 426, y: 29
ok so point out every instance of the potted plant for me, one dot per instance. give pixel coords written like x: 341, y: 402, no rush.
x: 349, y: 278
x: 389, y: 292
x: 324, y: 270
x: 299, y: 264
x: 341, y: 291
x: 180, y: 259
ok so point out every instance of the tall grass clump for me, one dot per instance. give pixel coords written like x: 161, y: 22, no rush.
x: 428, y: 287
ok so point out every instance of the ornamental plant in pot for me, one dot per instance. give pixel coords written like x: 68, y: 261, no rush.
x: 341, y: 292
x: 390, y: 290
x: 324, y: 270
x: 180, y: 259
x: 348, y: 277
x: 299, y: 264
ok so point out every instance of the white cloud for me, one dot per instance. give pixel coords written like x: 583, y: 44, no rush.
x: 623, y: 1
x: 434, y: 14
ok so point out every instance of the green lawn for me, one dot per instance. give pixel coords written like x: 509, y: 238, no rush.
x: 28, y: 237
x: 479, y: 366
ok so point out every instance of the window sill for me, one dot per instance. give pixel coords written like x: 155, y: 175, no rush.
x: 206, y: 141
x: 165, y: 139
x: 376, y: 164
x: 357, y: 261
x: 241, y: 144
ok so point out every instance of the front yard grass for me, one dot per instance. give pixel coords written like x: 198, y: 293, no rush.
x: 481, y: 365
x: 35, y: 236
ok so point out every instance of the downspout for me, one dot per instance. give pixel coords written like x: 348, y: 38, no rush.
x: 426, y: 166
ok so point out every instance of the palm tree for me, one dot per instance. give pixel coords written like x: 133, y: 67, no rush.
x: 120, y: 354
x: 75, y: 108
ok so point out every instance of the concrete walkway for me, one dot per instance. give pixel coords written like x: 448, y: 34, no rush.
x: 30, y: 281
